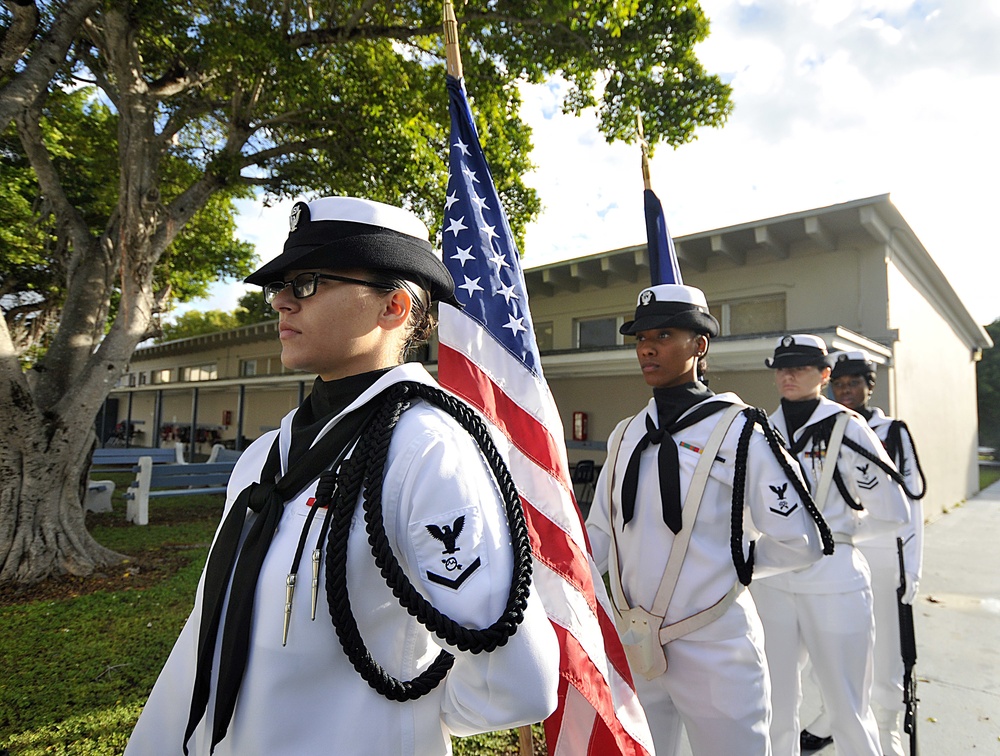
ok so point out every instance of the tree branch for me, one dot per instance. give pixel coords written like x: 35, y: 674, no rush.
x: 25, y: 86
x: 69, y: 221
x: 19, y: 34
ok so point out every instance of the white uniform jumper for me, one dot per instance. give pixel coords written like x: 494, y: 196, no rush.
x: 306, y: 698
x: 883, y: 560
x: 825, y: 610
x: 716, y: 684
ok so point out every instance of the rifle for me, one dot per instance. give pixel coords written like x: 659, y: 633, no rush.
x: 908, y: 647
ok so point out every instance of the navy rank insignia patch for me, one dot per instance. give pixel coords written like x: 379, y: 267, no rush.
x: 449, y: 547
x: 776, y: 500
x: 865, y: 479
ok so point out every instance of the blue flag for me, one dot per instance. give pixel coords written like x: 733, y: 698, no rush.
x: 663, y: 265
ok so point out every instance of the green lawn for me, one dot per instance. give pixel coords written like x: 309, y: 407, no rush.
x: 78, y: 663
x: 987, y: 476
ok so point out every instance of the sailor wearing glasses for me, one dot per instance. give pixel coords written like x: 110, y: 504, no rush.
x: 368, y: 590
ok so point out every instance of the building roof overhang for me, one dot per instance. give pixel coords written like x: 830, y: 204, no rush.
x: 874, y: 219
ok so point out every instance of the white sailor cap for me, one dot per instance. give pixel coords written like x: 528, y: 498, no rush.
x: 672, y: 306
x: 797, y: 350
x: 855, y: 362
x: 340, y: 233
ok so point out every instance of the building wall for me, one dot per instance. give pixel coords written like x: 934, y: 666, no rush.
x: 932, y: 387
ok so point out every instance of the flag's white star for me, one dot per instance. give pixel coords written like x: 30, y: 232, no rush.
x: 471, y: 285
x: 499, y: 260
x: 456, y: 226
x: 480, y: 202
x: 452, y: 199
x: 463, y: 255
x: 515, y: 324
x: 470, y: 174
x: 490, y: 231
x: 507, y: 292
x: 462, y: 146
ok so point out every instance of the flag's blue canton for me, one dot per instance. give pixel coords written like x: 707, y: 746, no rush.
x: 478, y: 246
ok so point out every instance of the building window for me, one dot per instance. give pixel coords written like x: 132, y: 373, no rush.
x: 740, y: 317
x: 131, y: 379
x: 142, y: 377
x: 248, y: 368
x: 161, y: 376
x: 543, y: 336
x: 598, y: 332
x: 200, y: 373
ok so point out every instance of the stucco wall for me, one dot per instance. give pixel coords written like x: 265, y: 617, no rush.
x: 932, y: 387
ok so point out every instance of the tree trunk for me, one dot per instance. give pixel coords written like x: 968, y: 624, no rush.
x: 42, y: 532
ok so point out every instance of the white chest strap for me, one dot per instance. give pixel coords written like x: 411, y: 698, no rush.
x: 692, y: 502
x: 830, y: 459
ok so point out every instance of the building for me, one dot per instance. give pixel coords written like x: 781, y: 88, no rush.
x: 853, y: 273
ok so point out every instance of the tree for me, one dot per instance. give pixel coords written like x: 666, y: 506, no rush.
x: 988, y: 377
x: 208, y: 98
x: 252, y: 308
x: 196, y: 323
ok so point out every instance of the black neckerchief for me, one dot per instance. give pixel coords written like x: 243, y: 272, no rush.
x: 866, y: 413
x: 265, y: 502
x: 671, y: 403
x: 327, y: 400
x: 796, y: 414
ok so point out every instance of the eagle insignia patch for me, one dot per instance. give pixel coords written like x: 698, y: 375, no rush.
x: 777, y: 502
x: 449, y: 547
x: 865, y: 479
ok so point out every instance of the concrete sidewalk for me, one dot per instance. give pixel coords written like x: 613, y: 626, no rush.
x: 957, y: 625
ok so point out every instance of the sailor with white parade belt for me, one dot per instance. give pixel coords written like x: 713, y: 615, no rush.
x: 368, y: 590
x: 852, y: 381
x: 692, y: 502
x: 825, y: 610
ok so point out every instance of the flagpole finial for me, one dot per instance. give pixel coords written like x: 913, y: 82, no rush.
x: 646, y: 180
x: 453, y: 55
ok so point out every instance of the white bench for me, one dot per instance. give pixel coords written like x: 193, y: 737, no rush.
x: 152, y: 481
x: 98, y: 498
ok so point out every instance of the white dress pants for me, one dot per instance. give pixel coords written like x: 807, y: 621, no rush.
x: 717, y: 690
x: 837, y: 632
x: 887, y: 680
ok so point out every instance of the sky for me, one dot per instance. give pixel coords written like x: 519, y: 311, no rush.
x: 834, y: 100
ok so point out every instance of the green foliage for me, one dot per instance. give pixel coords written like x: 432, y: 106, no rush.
x: 253, y: 309
x: 285, y: 99
x: 988, y: 377
x: 197, y: 323
x: 81, y: 138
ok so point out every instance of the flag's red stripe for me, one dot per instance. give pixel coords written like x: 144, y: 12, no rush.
x: 461, y: 376
x: 554, y: 723
x: 576, y: 667
x: 553, y: 547
x: 561, y: 555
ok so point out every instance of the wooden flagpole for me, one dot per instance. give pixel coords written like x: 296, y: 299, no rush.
x: 453, y: 65
x: 646, y: 182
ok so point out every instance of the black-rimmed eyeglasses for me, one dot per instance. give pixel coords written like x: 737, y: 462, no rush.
x: 304, y: 285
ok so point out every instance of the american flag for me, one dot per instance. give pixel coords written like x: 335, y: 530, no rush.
x: 488, y: 356
x: 663, y: 265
